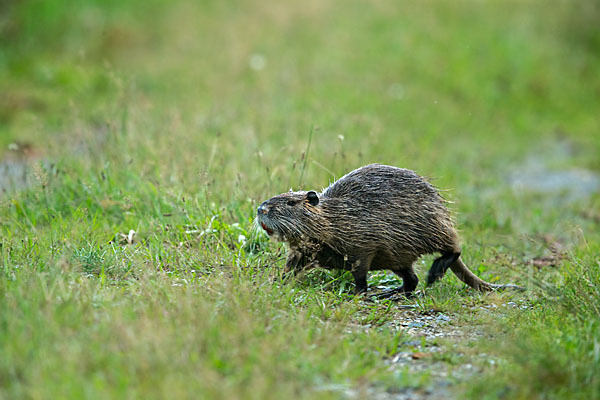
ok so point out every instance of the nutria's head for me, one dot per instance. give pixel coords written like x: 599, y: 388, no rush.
x: 290, y: 216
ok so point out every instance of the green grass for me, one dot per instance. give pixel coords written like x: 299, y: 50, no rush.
x: 175, y: 120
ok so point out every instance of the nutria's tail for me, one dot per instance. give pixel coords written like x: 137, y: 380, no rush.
x: 464, y: 274
x: 454, y: 262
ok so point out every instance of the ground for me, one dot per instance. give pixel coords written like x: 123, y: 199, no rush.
x: 138, y: 138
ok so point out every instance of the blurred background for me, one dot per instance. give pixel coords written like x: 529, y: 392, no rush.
x: 262, y: 97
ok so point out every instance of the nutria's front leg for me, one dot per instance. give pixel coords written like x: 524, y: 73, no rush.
x: 298, y: 261
x: 293, y: 263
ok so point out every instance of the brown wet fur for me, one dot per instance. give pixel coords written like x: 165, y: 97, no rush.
x: 375, y: 217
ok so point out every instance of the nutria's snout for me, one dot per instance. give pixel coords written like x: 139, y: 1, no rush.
x: 262, y: 209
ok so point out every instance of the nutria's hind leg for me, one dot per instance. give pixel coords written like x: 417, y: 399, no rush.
x: 409, y: 280
x: 409, y: 284
x: 440, y: 266
x: 360, y: 280
x: 404, y: 270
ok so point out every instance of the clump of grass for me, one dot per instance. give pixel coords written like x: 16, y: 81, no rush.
x: 91, y: 259
x: 554, y: 350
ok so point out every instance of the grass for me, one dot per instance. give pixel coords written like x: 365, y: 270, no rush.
x: 175, y: 120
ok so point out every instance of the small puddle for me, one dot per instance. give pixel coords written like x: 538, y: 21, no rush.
x: 14, y: 175
x: 17, y: 164
x: 16, y: 167
x: 537, y: 174
x: 574, y: 183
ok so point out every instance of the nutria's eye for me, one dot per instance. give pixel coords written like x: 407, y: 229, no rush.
x: 312, y: 198
x: 292, y: 202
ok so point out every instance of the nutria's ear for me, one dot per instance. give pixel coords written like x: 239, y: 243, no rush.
x: 312, y: 198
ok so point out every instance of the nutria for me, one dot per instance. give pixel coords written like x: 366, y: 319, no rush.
x: 375, y: 217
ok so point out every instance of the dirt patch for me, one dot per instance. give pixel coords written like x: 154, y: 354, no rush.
x: 425, y: 352
x: 433, y: 346
x: 429, y: 337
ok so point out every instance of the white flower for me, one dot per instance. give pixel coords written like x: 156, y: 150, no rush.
x: 257, y: 62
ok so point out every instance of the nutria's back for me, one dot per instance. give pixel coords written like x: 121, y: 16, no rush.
x: 391, y: 206
x: 378, y: 181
